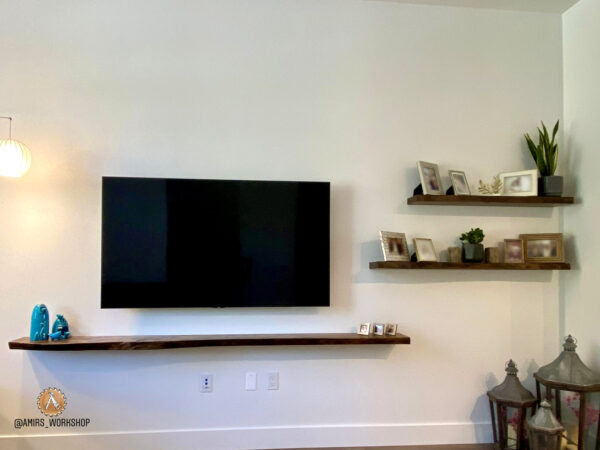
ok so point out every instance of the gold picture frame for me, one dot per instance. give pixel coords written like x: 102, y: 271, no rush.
x: 543, y: 247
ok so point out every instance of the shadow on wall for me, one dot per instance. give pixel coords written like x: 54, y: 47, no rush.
x: 371, y: 251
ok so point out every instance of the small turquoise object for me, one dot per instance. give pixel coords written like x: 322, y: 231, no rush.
x: 60, y: 329
x: 40, y: 323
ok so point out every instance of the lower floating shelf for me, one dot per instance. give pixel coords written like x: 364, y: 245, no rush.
x: 217, y: 340
x: 467, y: 266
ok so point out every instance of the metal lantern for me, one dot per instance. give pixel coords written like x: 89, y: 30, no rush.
x: 509, y: 404
x: 568, y: 373
x: 545, y: 431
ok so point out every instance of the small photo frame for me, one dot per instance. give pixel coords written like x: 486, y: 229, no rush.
x: 431, y: 182
x: 425, y: 250
x: 459, y: 182
x: 513, y: 251
x: 524, y: 183
x: 394, y: 246
x: 390, y: 329
x: 364, y: 329
x: 543, y: 247
x: 378, y: 329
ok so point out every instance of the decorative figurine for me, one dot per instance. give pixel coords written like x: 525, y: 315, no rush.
x: 40, y: 323
x: 60, y: 329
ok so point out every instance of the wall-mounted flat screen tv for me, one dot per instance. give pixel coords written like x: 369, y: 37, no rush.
x: 176, y: 243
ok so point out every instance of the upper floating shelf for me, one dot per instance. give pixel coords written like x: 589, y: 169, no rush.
x: 489, y: 200
x: 216, y: 340
x: 466, y: 266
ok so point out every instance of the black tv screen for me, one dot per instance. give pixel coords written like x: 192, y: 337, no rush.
x: 169, y: 243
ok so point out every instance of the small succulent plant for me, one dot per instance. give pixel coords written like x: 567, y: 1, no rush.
x: 475, y: 236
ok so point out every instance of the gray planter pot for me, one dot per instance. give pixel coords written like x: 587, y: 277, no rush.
x: 473, y: 252
x: 551, y: 186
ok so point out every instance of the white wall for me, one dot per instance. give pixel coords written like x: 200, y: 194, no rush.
x: 350, y: 91
x: 579, y: 289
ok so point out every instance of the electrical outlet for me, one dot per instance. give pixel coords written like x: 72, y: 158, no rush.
x: 251, y: 381
x: 273, y: 381
x: 206, y: 383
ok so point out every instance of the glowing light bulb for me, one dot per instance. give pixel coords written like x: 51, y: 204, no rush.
x: 15, y: 158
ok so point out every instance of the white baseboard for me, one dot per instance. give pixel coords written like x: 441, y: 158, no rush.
x: 260, y: 437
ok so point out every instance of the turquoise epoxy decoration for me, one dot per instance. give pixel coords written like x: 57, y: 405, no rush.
x: 60, y: 329
x: 40, y: 323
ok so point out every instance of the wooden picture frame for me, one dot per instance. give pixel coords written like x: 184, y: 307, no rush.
x: 425, y: 250
x: 431, y: 182
x: 509, y: 254
x: 543, y: 248
x: 459, y: 182
x: 394, y: 246
x: 520, y: 184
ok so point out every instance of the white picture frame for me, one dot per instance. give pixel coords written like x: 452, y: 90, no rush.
x: 364, y: 329
x: 425, y: 250
x: 378, y: 329
x: 520, y: 184
x: 390, y: 329
x: 459, y: 182
x: 431, y: 182
x: 394, y: 246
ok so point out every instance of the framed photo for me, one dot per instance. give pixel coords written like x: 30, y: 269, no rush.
x: 390, y: 329
x: 430, y: 178
x: 459, y: 182
x: 364, y: 329
x: 394, y: 245
x: 378, y: 329
x: 425, y: 250
x: 513, y: 251
x: 523, y: 183
x: 543, y: 247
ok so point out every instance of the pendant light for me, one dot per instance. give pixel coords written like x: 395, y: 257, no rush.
x: 15, y: 157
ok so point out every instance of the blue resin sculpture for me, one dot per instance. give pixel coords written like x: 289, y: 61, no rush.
x: 40, y: 323
x: 60, y: 329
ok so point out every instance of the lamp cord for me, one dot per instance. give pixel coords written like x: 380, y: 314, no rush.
x: 9, y: 126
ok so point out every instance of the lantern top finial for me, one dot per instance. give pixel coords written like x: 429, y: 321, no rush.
x: 570, y: 344
x: 511, y: 368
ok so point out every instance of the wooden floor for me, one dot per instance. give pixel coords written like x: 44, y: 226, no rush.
x: 415, y: 447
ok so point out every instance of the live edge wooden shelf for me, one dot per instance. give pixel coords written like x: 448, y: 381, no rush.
x: 466, y: 266
x: 186, y: 341
x: 488, y: 200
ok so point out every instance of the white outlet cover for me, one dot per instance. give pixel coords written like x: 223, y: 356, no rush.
x: 206, y: 383
x: 273, y: 381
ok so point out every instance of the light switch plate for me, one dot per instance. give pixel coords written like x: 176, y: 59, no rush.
x: 251, y: 381
x: 273, y: 381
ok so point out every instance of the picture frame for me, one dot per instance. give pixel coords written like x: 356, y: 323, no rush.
x: 520, y: 184
x: 390, y: 329
x: 543, y: 247
x: 513, y: 251
x: 459, y: 182
x: 364, y: 329
x: 394, y: 246
x: 378, y: 329
x: 425, y: 250
x: 431, y: 182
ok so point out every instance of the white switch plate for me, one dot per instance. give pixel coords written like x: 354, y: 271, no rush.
x: 206, y: 383
x: 251, y: 381
x: 273, y: 381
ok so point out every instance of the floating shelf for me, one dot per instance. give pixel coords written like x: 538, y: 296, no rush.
x: 466, y: 266
x: 218, y: 340
x: 488, y: 200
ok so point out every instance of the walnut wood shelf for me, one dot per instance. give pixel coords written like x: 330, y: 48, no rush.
x: 488, y: 200
x: 218, y: 340
x: 466, y: 266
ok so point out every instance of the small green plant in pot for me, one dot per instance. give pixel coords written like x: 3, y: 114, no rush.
x: 473, y: 250
x: 545, y: 155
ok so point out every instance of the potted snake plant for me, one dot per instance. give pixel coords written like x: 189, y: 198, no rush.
x: 545, y: 155
x: 473, y: 250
